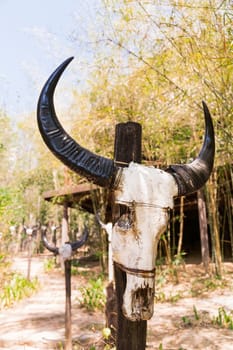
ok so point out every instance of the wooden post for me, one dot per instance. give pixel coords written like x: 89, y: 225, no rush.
x: 29, y: 232
x: 68, y: 329
x: 29, y: 256
x: 65, y: 224
x: 130, y: 335
x: 203, y: 229
x: 181, y: 225
x: 213, y: 214
x: 67, y: 269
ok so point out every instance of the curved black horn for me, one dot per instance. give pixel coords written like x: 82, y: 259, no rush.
x: 191, y: 177
x: 95, y: 168
x: 52, y: 249
x: 77, y: 244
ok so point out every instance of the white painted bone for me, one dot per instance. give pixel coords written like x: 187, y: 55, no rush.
x: 148, y: 192
x: 65, y: 251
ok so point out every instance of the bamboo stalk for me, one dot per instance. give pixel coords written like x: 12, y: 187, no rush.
x: 181, y: 225
x: 213, y: 214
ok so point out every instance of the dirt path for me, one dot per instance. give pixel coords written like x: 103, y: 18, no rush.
x: 175, y: 327
x: 180, y: 321
x: 186, y: 323
x: 38, y: 322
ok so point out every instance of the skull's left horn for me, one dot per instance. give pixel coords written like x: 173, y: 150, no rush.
x: 99, y: 170
x: 191, y: 177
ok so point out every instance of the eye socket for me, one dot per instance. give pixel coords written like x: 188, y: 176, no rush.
x: 125, y: 218
x: 125, y: 222
x: 118, y: 211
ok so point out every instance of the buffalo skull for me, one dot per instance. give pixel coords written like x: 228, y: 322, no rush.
x: 146, y: 192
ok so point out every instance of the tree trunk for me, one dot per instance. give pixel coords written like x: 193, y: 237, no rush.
x: 100, y: 201
x: 229, y: 205
x: 65, y: 224
x: 181, y: 225
x: 203, y: 229
x: 213, y: 214
x: 68, y: 329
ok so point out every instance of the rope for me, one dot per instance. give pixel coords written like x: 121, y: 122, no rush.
x: 118, y: 162
x: 134, y: 204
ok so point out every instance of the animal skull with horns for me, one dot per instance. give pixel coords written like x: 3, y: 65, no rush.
x: 147, y: 192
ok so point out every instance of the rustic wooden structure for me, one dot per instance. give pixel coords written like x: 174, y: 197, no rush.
x: 72, y: 196
x: 205, y: 253
x: 68, y: 320
x: 130, y: 335
x: 68, y: 197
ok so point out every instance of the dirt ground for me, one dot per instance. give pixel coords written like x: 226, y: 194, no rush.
x: 187, y: 303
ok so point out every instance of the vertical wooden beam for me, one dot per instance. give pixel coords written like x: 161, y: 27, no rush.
x: 181, y: 225
x: 29, y: 257
x: 68, y: 327
x: 130, y: 335
x: 128, y: 139
x: 65, y: 224
x: 203, y: 229
x: 67, y: 270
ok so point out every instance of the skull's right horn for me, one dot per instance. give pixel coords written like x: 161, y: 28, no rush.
x: 191, y: 177
x: 99, y: 170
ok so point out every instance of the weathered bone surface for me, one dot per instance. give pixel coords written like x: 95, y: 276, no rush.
x: 148, y: 192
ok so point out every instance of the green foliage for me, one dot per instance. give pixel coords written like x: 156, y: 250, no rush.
x: 10, y: 199
x: 171, y: 298
x: 171, y: 270
x: 203, y: 285
x: 197, y: 317
x: 7, y: 143
x: 49, y: 264
x: 2, y: 257
x: 186, y: 320
x: 61, y: 346
x: 224, y: 319
x: 93, y: 297
x: 161, y: 68
x: 5, y: 198
x: 168, y: 290
x: 16, y: 289
x: 106, y: 332
x: 178, y: 259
